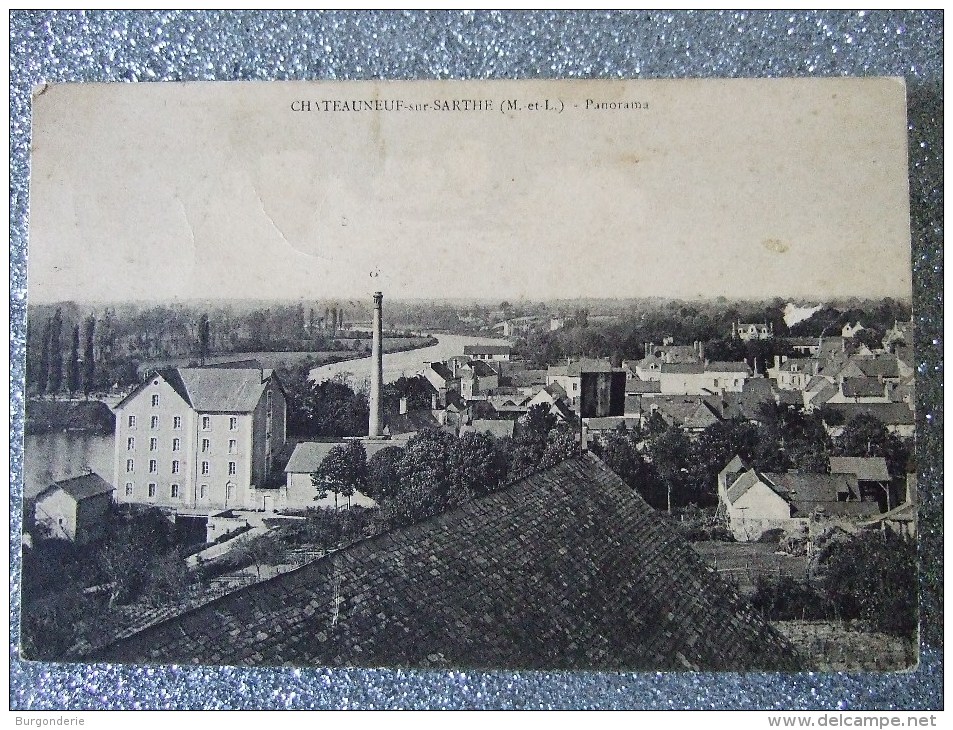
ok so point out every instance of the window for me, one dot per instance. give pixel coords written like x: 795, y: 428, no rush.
x: 132, y: 421
x: 174, y: 491
x: 130, y: 466
x: 128, y: 489
x: 232, y: 446
x: 203, y: 491
x: 205, y: 468
x: 232, y: 468
x: 229, y: 491
x: 176, y: 444
x: 153, y: 444
x: 154, y: 422
x: 176, y: 421
x: 175, y: 467
x: 130, y: 444
x: 232, y: 423
x: 152, y: 490
x: 155, y: 400
x: 153, y: 466
x: 206, y: 423
x: 206, y: 446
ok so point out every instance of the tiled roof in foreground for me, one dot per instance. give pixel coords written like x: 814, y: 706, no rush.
x: 568, y: 568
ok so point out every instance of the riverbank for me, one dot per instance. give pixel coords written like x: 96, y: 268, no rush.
x: 404, y: 363
x: 82, y: 416
x: 290, y: 358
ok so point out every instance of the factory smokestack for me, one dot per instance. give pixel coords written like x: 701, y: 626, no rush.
x: 375, y: 425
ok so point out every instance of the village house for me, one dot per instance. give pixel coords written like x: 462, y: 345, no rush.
x: 201, y: 439
x: 494, y: 353
x: 496, y: 428
x: 849, y: 330
x: 873, y: 477
x: 477, y: 379
x: 443, y: 381
x: 793, y: 373
x: 756, y: 502
x: 901, y: 334
x: 299, y: 492
x: 692, y: 413
x: 898, y: 418
x: 593, y: 387
x: 75, y: 509
x: 748, y: 331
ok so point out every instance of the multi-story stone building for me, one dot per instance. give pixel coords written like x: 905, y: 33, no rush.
x: 200, y: 439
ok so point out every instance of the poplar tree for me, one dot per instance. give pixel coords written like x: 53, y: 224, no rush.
x: 72, y: 383
x: 55, y: 381
x: 89, y: 361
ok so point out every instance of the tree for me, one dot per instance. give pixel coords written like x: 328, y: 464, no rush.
x: 258, y: 551
x: 89, y: 352
x: 873, y: 577
x: 205, y: 336
x: 529, y: 442
x: 670, y: 453
x: 477, y: 465
x: 561, y: 444
x: 55, y: 381
x: 72, y: 381
x: 427, y: 485
x: 383, y: 477
x: 620, y: 453
x: 343, y: 471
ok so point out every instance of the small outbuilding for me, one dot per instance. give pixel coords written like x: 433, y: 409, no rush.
x: 75, y: 509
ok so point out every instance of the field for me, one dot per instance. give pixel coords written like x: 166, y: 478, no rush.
x: 743, y: 562
x: 274, y: 359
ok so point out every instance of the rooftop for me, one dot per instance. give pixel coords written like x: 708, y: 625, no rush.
x: 308, y: 455
x: 566, y: 569
x: 222, y: 389
x: 865, y: 468
x: 80, y: 488
x: 487, y: 349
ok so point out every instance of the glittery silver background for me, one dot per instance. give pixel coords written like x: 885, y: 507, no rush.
x: 181, y: 46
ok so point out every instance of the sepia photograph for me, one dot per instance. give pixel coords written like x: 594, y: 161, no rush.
x: 547, y: 375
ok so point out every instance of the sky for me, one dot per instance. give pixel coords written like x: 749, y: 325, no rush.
x: 744, y: 189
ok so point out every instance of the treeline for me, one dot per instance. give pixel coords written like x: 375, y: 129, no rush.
x: 72, y: 349
x: 671, y: 468
x: 438, y: 471
x: 708, y: 322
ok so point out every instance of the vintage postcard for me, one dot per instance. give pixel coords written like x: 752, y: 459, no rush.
x: 605, y: 375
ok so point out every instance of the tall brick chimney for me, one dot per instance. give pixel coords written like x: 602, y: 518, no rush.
x: 375, y: 425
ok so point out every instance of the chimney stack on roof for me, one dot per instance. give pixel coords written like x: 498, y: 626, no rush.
x: 375, y: 423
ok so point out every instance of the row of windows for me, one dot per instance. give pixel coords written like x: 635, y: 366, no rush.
x: 154, y: 467
x: 177, y: 445
x: 177, y: 422
x: 175, y: 490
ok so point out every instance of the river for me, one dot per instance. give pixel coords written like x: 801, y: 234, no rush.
x: 407, y: 363
x: 50, y: 457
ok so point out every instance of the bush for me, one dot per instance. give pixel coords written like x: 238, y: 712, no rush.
x: 772, y: 537
x: 785, y: 599
x: 873, y: 577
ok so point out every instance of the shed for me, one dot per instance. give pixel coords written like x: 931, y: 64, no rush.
x: 75, y: 509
